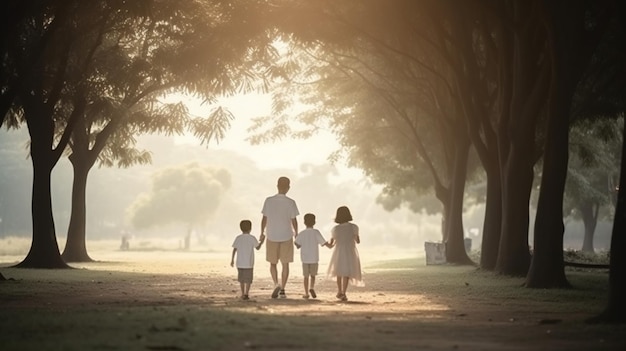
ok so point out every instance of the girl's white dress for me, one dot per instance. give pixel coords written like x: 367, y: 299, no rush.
x: 345, y: 261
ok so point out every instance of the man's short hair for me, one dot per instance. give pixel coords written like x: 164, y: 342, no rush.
x: 245, y: 226
x: 283, y: 182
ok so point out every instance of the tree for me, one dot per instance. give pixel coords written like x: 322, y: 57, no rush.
x: 61, y: 76
x: 128, y: 102
x: 575, y: 32
x: 189, y: 194
x: 367, y: 73
x: 52, y: 61
x: 590, y: 188
x: 615, y: 311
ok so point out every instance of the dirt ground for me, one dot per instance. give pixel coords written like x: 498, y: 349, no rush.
x: 186, y: 301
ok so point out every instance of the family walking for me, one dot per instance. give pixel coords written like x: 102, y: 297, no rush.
x: 279, y: 226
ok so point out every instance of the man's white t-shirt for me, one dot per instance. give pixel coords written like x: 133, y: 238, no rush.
x: 245, y: 245
x: 279, y: 210
x: 310, y: 240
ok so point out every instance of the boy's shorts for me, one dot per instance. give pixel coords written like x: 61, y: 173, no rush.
x: 309, y: 269
x: 244, y: 275
x: 279, y: 251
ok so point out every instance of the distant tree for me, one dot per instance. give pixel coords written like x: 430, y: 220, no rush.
x: 188, y: 194
x: 592, y: 172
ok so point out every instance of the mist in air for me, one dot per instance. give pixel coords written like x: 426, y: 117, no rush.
x: 192, y: 198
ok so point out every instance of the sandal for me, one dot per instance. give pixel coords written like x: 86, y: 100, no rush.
x: 313, y: 294
x: 306, y: 297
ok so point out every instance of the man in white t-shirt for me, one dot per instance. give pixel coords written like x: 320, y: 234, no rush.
x: 279, y: 218
x: 309, y: 242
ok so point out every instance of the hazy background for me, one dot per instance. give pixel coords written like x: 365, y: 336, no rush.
x: 317, y: 186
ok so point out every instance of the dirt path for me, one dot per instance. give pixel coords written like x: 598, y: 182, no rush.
x: 190, y: 303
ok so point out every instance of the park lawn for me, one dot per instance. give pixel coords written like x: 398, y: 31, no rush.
x: 160, y: 304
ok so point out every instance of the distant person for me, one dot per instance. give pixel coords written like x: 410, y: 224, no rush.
x: 279, y: 218
x: 244, y: 246
x: 345, y: 263
x: 309, y: 241
x: 125, y: 241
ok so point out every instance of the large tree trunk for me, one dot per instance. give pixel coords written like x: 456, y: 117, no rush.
x: 493, y: 219
x: 572, y: 46
x: 513, y: 254
x: 455, y: 245
x: 525, y: 78
x: 44, y: 250
x: 589, y: 214
x: 547, y: 269
x: 443, y: 195
x: 75, y: 247
x: 615, y: 311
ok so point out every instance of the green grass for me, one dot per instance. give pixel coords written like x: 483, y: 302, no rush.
x: 588, y: 292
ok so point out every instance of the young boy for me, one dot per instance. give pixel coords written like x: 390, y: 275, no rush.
x: 308, y: 241
x: 244, y: 246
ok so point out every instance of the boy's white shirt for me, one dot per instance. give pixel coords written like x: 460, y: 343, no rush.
x: 245, y: 245
x: 310, y: 240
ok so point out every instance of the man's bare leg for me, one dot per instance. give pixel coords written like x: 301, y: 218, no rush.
x: 284, y: 277
x: 274, y: 273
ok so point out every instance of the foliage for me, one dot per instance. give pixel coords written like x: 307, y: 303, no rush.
x: 189, y: 194
x: 387, y: 101
x: 593, y: 168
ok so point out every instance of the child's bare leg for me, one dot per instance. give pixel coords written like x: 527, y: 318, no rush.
x: 344, y: 284
x: 339, y: 289
x: 306, y: 285
x: 312, y: 282
x: 243, y: 288
x: 246, y: 289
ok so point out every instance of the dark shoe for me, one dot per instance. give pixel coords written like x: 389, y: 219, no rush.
x: 275, y: 292
x: 246, y: 297
x: 313, y: 294
x: 344, y: 298
x: 282, y: 294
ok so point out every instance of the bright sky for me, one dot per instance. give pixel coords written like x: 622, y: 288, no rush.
x: 288, y: 154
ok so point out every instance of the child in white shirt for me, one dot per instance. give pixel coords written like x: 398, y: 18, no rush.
x: 244, y: 246
x: 308, y: 241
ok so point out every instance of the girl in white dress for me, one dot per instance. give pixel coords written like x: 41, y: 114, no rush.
x: 344, y: 262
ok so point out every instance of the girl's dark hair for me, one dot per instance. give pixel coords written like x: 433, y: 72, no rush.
x: 343, y: 215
